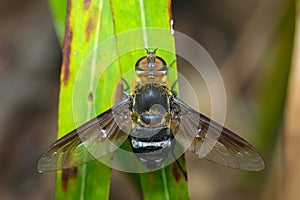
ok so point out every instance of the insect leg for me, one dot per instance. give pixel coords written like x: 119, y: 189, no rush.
x: 173, y: 86
x: 125, y: 90
x: 172, y: 63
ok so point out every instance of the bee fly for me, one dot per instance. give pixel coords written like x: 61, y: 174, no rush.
x: 151, y: 117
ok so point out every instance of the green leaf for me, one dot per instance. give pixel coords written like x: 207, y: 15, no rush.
x: 59, y: 8
x: 82, y: 35
x: 98, y: 34
x: 167, y: 183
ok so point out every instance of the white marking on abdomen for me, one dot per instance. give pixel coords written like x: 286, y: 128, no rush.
x: 162, y: 144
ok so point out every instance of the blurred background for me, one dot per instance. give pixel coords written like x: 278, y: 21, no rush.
x: 251, y: 43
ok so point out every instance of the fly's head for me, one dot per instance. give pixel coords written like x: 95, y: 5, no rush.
x: 151, y: 67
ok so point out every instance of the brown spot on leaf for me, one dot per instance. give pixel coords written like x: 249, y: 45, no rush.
x: 67, y: 175
x: 119, y: 91
x: 176, y: 172
x: 65, y: 69
x: 113, y: 14
x: 86, y: 4
x: 65, y: 179
x: 151, y: 177
x: 170, y: 9
x: 91, y: 96
x: 89, y: 28
x: 73, y: 172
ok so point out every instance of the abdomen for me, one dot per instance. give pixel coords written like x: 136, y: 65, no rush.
x: 151, y: 136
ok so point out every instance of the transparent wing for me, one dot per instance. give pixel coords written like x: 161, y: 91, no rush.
x: 209, y: 140
x: 94, y: 139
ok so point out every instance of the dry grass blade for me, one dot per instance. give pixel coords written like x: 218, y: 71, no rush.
x: 292, y: 125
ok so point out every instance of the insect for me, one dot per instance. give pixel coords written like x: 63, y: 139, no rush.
x: 152, y: 117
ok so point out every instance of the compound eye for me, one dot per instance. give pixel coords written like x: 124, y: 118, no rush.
x: 142, y: 67
x: 160, y: 65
